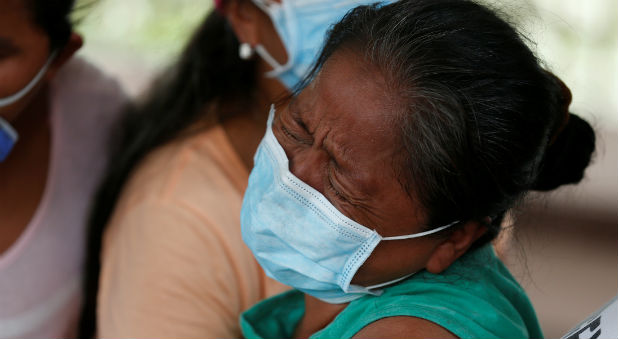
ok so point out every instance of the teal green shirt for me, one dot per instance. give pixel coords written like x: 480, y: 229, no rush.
x: 474, y: 298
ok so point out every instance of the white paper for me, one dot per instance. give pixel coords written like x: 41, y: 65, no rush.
x: 603, y: 324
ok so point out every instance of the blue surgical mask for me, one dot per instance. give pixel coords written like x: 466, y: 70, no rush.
x: 299, y: 238
x: 302, y: 27
x: 8, y: 135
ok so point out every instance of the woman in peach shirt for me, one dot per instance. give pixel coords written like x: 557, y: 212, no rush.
x: 166, y: 254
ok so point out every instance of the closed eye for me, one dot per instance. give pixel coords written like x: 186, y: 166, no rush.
x: 331, y: 186
x: 295, y: 137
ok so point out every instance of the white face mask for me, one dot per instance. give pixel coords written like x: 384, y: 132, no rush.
x: 299, y: 238
x: 302, y: 27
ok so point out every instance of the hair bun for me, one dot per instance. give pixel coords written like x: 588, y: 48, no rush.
x: 568, y: 156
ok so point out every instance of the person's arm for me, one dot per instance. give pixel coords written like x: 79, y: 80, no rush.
x: 404, y: 327
x: 166, y: 273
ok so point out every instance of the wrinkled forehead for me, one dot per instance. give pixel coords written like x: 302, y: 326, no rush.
x: 351, y: 89
x: 349, y: 102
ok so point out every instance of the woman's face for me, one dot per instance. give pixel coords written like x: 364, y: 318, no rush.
x: 24, y: 49
x: 340, y: 136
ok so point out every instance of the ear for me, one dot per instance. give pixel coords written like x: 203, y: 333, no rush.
x: 454, y: 246
x: 74, y: 43
x: 243, y: 17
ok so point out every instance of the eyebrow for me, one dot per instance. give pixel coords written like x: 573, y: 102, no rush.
x: 330, y: 148
x: 295, y: 111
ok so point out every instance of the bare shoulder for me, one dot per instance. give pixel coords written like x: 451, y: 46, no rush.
x: 404, y: 327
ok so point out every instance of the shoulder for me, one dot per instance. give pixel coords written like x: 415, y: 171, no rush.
x: 85, y: 96
x: 79, y: 77
x: 200, y: 170
x: 476, y: 297
x: 183, y: 193
x: 404, y: 327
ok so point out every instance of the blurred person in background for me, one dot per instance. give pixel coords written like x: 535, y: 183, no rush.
x: 166, y: 257
x: 55, y: 114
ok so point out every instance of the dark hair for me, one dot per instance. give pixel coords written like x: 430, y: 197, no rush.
x: 209, y: 73
x: 482, y: 123
x: 53, y: 16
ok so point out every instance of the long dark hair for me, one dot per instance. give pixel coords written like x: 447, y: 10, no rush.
x: 482, y: 122
x: 209, y: 72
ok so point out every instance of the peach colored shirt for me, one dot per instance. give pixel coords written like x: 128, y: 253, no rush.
x: 173, y: 261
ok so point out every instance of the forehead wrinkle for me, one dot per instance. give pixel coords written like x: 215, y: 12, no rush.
x: 371, y: 121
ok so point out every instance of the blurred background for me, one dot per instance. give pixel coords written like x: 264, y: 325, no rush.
x: 563, y: 247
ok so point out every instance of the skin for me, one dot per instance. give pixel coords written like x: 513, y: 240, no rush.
x: 24, y: 48
x: 247, y: 126
x: 340, y: 140
x: 375, y: 205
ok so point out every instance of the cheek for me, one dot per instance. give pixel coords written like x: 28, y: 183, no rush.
x: 394, y: 259
x: 15, y: 74
x: 20, y: 65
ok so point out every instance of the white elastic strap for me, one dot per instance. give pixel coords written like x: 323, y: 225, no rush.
x: 277, y: 68
x: 422, y: 234
x: 372, y: 287
x: 264, y: 5
x: 17, y: 96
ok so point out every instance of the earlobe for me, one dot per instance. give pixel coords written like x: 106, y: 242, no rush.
x: 242, y: 17
x: 442, y: 257
x: 456, y: 245
x: 64, y: 54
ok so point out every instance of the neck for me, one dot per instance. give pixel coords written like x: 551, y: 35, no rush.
x: 246, y: 126
x: 23, y: 174
x: 318, y: 314
x: 246, y: 129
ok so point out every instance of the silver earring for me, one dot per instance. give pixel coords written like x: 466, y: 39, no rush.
x: 245, y: 51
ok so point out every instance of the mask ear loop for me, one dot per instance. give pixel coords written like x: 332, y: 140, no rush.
x: 422, y: 234
x: 277, y: 68
x: 24, y: 91
x: 388, y: 283
x: 410, y: 236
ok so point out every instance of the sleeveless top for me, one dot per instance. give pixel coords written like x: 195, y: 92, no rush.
x: 474, y: 298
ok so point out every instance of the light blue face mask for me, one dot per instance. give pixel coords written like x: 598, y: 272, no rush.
x: 302, y: 27
x: 8, y: 135
x: 299, y: 238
